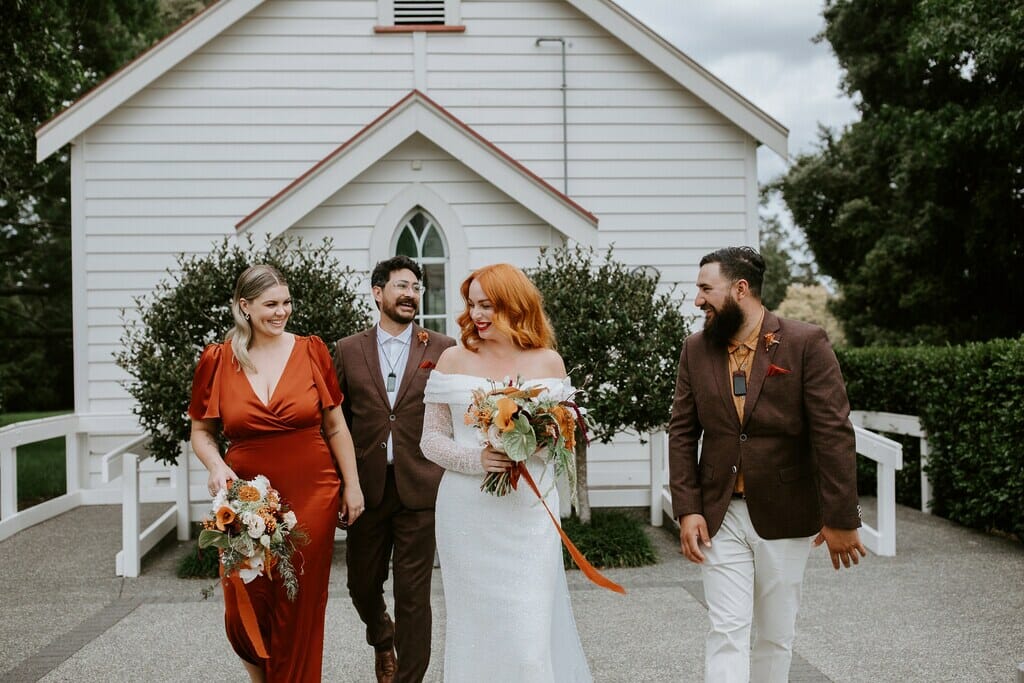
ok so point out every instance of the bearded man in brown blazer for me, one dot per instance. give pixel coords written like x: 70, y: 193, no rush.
x: 382, y: 372
x: 776, y: 471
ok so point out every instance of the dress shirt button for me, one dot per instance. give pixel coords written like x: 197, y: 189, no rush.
x: 743, y: 437
x: 392, y: 417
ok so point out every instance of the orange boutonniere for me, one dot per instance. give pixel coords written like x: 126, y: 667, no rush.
x: 770, y: 340
x: 423, y: 336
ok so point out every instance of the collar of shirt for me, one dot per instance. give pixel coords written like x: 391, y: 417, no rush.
x: 751, y: 341
x: 404, y: 338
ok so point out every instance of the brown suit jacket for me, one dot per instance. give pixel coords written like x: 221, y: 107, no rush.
x: 371, y: 419
x: 795, y: 444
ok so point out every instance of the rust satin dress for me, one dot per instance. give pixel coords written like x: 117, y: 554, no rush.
x: 283, y: 442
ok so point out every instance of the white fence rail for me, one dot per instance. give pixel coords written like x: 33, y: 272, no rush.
x: 886, y: 452
x: 907, y: 425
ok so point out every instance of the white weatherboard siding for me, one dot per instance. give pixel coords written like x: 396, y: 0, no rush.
x: 182, y: 161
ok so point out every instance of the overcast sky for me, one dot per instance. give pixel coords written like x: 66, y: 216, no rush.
x: 763, y: 50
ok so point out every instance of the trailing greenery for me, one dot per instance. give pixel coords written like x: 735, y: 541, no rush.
x: 969, y: 400
x: 181, y: 315
x: 612, y: 539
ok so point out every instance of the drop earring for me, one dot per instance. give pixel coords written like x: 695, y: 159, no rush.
x: 247, y: 317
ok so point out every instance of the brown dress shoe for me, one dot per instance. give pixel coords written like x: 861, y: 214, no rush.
x: 386, y: 666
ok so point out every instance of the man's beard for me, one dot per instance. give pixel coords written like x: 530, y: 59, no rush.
x: 391, y: 311
x: 722, y: 327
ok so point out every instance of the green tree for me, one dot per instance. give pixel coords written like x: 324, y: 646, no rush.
x: 174, y: 322
x: 52, y: 52
x: 916, y: 210
x: 620, y: 337
x: 782, y: 257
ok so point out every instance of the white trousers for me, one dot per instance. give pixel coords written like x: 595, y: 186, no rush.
x: 750, y: 580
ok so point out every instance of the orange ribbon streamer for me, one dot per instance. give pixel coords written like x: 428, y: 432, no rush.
x: 581, y: 561
x: 248, y: 616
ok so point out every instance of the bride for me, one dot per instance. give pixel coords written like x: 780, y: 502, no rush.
x: 507, y: 602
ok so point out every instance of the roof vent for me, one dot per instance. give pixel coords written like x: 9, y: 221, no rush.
x: 419, y: 12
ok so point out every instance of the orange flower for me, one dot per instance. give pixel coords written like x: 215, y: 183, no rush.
x: 248, y: 494
x: 225, y: 516
x: 423, y: 336
x: 566, y: 425
x: 507, y: 409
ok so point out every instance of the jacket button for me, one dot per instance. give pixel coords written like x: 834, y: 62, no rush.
x: 734, y: 469
x: 392, y: 418
x: 384, y: 444
x: 743, y: 437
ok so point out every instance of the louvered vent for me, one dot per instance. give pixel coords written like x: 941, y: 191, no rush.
x: 419, y: 12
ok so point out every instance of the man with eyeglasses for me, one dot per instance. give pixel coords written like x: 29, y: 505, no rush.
x: 382, y: 372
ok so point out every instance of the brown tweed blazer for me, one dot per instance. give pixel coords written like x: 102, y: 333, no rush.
x: 371, y: 419
x: 795, y: 444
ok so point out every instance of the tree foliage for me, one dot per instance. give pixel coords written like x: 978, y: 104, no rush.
x: 51, y: 52
x: 782, y: 257
x: 916, y: 210
x: 174, y: 322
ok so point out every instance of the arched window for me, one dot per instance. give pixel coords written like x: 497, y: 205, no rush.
x: 420, y: 239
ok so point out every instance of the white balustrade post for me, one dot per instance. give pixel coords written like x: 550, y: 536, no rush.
x: 926, y: 483
x: 8, y: 482
x: 131, y: 561
x: 71, y: 473
x: 886, y: 510
x: 657, y: 475
x: 181, y: 493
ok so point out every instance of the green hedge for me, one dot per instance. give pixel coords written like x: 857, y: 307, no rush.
x: 970, y: 399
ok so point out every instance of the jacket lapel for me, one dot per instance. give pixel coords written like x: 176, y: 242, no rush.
x: 720, y: 369
x: 372, y: 358
x: 762, y: 359
x: 412, y: 364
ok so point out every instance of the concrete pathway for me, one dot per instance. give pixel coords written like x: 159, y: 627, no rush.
x: 948, y: 607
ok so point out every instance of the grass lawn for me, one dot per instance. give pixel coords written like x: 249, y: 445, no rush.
x: 41, y: 467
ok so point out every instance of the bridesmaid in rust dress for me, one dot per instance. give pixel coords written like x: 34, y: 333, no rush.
x: 275, y: 395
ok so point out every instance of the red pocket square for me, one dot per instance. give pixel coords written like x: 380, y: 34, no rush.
x: 776, y: 370
x: 428, y: 364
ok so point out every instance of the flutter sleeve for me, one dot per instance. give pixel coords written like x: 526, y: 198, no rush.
x: 205, y: 404
x: 324, y: 376
x: 438, y: 443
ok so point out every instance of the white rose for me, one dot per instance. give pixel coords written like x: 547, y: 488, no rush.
x: 254, y: 524
x: 289, y: 519
x: 261, y: 484
x: 494, y: 438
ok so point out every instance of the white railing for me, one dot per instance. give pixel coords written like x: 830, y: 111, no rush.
x: 906, y: 425
x: 135, y: 541
x: 31, y: 431
x: 886, y: 452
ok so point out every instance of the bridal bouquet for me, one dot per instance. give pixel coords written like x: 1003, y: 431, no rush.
x: 255, y: 532
x: 517, y: 420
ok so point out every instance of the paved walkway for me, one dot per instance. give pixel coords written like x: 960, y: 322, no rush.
x: 949, y: 607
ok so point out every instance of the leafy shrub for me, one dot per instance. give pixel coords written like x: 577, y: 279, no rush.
x: 191, y: 309
x: 611, y: 539
x: 968, y: 398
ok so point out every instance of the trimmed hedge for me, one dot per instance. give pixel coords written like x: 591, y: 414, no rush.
x: 970, y: 400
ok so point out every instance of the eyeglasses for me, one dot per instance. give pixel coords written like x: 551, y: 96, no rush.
x: 406, y: 287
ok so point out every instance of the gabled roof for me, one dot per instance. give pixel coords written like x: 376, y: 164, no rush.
x: 417, y: 113
x: 116, y: 89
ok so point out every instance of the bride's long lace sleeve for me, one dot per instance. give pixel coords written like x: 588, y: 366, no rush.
x: 438, y: 443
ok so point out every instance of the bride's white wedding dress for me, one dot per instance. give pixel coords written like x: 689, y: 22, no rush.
x: 509, y: 618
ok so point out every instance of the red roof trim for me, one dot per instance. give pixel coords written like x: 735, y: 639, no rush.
x: 411, y: 28
x: 451, y: 117
x: 141, y: 55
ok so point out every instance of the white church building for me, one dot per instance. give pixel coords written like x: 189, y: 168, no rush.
x: 464, y: 132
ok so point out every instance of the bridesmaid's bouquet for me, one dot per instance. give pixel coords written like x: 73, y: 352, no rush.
x: 519, y: 420
x: 255, y: 532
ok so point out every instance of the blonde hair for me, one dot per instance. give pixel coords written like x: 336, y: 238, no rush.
x: 253, y: 281
x: 518, y: 308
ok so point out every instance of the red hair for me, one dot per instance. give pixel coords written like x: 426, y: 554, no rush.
x: 518, y: 308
